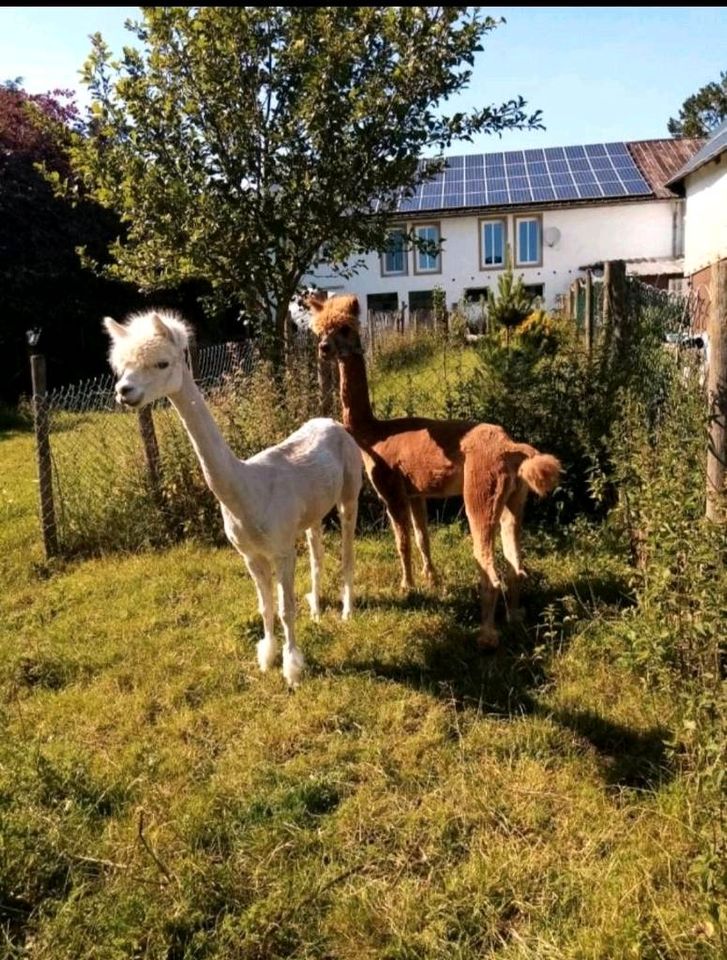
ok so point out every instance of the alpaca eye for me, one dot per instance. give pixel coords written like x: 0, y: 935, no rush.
x: 163, y: 364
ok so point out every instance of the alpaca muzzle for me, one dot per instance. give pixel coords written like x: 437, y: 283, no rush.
x: 128, y: 396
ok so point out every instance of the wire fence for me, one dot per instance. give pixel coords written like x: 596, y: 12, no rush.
x: 120, y: 480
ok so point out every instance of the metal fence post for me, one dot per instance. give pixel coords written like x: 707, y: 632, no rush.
x: 42, y: 442
x: 717, y: 391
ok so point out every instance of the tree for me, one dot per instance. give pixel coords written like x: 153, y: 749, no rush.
x: 513, y: 303
x: 41, y: 279
x: 43, y: 282
x: 702, y: 113
x: 245, y: 145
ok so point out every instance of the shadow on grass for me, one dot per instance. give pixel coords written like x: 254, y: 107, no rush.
x: 508, y: 681
x: 627, y: 758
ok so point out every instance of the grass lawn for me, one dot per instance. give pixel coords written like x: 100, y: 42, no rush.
x: 160, y: 798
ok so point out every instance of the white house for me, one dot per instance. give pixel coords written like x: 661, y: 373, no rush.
x: 702, y: 181
x: 560, y: 210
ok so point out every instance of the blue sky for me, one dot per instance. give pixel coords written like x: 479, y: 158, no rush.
x: 597, y: 73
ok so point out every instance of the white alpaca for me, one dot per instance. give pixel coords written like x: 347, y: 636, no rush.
x: 266, y: 501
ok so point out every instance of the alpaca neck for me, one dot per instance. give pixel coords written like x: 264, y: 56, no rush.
x: 355, y: 403
x: 220, y: 466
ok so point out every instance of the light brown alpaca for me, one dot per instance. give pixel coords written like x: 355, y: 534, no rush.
x: 411, y: 458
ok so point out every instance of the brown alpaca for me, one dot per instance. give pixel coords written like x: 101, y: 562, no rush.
x: 411, y: 458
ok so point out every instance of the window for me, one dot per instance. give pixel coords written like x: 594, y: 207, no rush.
x: 528, y: 234
x: 420, y: 300
x: 393, y: 259
x: 428, y: 262
x: 534, y: 289
x: 473, y: 294
x: 493, y: 234
x: 382, y: 302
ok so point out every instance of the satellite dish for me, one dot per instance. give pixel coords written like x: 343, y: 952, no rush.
x: 551, y: 236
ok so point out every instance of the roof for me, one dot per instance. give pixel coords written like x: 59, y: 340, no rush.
x: 712, y: 149
x: 659, y: 160
x: 553, y: 176
x: 647, y: 266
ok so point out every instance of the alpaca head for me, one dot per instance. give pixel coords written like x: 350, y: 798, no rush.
x: 335, y: 323
x: 147, y: 355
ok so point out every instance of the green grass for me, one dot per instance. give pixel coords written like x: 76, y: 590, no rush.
x: 418, y: 376
x: 160, y: 798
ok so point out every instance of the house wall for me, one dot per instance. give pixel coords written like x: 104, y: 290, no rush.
x: 705, y: 219
x: 588, y: 234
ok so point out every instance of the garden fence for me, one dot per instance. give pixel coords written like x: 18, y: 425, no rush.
x: 114, y: 479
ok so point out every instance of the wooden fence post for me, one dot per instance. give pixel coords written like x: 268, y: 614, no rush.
x: 614, y: 300
x: 325, y: 385
x: 372, y: 333
x: 193, y: 351
x: 588, y: 311
x: 717, y: 392
x: 151, y: 447
x: 42, y: 445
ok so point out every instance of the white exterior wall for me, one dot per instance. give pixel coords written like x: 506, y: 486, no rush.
x: 587, y: 235
x: 705, y: 219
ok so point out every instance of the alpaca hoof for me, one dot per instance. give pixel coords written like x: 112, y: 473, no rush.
x: 266, y: 654
x: 432, y: 578
x: 346, y: 613
x: 293, y: 666
x: 488, y: 638
x: 406, y: 587
x: 315, y: 610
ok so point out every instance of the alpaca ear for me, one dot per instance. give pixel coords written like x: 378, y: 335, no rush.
x: 160, y: 327
x: 115, y: 330
x: 315, y: 301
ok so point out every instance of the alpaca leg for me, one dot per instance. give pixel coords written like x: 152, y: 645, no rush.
x: 390, y: 489
x: 418, y: 510
x: 485, y: 489
x: 314, y: 535
x: 348, y: 513
x: 293, y: 661
x: 398, y: 512
x: 262, y: 575
x: 510, y: 527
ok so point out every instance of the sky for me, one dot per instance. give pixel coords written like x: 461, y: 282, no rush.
x: 598, y: 74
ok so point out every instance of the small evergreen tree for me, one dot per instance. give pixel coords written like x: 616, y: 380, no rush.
x: 512, y: 303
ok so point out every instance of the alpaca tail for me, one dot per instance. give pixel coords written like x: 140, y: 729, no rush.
x: 541, y: 472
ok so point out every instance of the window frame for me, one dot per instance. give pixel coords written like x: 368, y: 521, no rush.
x: 526, y: 218
x: 419, y: 293
x: 485, y: 267
x: 481, y: 291
x: 418, y: 272
x: 401, y: 227
x: 392, y: 293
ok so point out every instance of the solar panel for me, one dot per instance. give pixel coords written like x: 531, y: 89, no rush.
x: 593, y: 171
